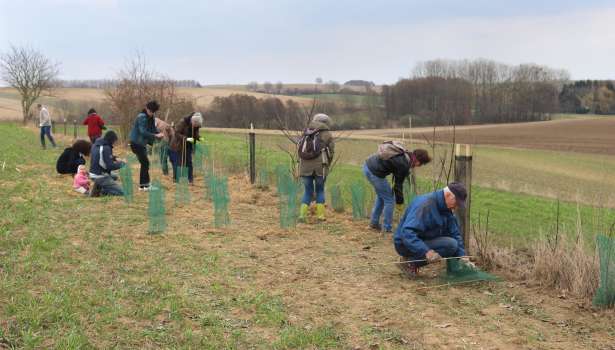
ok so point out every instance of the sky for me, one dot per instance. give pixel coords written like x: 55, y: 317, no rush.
x: 235, y: 42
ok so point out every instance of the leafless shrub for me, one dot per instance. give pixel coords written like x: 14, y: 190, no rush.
x: 137, y: 84
x: 565, y: 262
x: 30, y: 73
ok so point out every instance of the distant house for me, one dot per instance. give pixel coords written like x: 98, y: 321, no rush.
x: 360, y: 83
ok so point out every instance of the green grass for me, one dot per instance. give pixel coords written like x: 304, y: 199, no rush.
x: 71, y: 276
x: 82, y: 273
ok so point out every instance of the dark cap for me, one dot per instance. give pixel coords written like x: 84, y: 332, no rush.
x: 460, y: 192
x: 110, y: 137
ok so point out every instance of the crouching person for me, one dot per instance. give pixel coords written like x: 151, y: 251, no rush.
x: 102, y: 164
x: 428, y: 230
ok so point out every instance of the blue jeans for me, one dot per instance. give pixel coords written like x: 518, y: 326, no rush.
x: 385, y: 200
x: 446, y: 246
x: 311, y: 184
x: 46, y: 130
x: 176, y: 162
x: 108, y: 186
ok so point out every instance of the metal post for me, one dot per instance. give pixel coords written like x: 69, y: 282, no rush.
x: 74, y: 128
x: 463, y: 174
x: 252, y: 154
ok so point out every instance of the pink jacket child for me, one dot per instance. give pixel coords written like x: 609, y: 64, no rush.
x: 81, y: 183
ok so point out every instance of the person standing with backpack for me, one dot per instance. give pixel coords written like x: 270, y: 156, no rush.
x: 392, y: 158
x: 316, y: 149
x: 144, y: 133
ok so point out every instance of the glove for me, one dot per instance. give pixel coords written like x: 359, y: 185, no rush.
x: 201, y: 139
x: 468, y: 262
x: 190, y: 139
x: 432, y: 256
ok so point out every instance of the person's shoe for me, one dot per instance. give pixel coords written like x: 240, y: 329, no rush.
x: 375, y: 227
x: 303, y: 210
x: 407, y: 268
x: 95, y: 190
x: 320, y: 212
x: 148, y: 188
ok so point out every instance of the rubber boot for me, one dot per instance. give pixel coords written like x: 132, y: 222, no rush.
x: 320, y: 212
x: 303, y: 210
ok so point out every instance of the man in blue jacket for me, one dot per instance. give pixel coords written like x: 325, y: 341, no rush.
x: 102, y: 163
x: 428, y: 230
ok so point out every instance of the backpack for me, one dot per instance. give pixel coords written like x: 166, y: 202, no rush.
x: 310, y: 145
x: 390, y: 149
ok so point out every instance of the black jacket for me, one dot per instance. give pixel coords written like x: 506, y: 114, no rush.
x: 69, y: 161
x: 398, y: 166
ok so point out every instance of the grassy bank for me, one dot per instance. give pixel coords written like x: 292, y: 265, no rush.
x: 82, y: 273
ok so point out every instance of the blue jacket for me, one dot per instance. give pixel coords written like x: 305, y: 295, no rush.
x: 143, y: 130
x: 102, y: 159
x: 427, y: 218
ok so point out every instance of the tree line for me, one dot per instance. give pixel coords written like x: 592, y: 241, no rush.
x: 475, y: 91
x: 588, y: 96
x: 241, y: 110
x: 108, y: 83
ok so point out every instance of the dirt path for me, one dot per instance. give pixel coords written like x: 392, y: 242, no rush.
x: 332, y: 273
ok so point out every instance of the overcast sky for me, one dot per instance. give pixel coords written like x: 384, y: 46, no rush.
x: 219, y: 42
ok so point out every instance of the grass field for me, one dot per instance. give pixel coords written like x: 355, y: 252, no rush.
x: 345, y: 98
x: 78, y: 273
x: 10, y: 106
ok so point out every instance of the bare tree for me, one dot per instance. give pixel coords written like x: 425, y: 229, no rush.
x: 137, y: 84
x: 31, y: 73
x: 278, y: 87
x: 318, y: 82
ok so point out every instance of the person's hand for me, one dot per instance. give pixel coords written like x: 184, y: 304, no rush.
x: 190, y: 139
x: 159, y: 135
x: 432, y: 256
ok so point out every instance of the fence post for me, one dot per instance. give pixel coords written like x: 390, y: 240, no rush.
x: 74, y: 128
x: 252, y: 155
x: 53, y: 127
x: 463, y: 174
x: 64, y: 126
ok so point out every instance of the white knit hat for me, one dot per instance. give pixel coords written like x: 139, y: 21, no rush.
x: 323, y: 118
x: 197, y: 118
